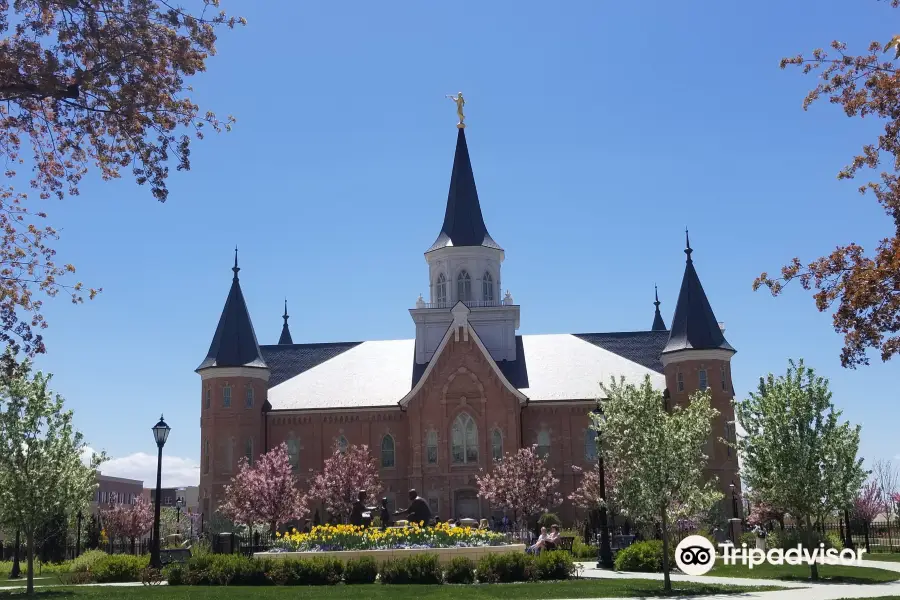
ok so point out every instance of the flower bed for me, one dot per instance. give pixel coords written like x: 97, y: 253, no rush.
x: 331, y: 538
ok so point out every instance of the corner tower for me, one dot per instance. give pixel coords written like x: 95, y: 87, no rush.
x: 234, y: 383
x: 696, y: 357
x: 464, y: 266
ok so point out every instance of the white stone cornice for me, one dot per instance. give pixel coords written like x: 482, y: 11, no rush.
x: 219, y: 372
x: 684, y: 355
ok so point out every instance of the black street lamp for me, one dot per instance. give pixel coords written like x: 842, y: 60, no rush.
x: 734, y: 510
x: 178, y: 504
x: 604, y: 554
x: 160, y: 434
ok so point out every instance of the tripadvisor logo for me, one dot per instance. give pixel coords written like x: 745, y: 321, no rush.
x: 695, y: 555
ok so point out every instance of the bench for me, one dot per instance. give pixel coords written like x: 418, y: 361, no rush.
x: 565, y: 543
x: 177, y: 555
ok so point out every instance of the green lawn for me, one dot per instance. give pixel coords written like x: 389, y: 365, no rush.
x: 895, y: 557
x: 827, y: 573
x: 623, y: 588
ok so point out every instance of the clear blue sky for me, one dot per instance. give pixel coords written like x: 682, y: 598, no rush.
x: 598, y: 131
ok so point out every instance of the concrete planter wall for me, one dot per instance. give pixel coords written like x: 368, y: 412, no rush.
x: 445, y: 555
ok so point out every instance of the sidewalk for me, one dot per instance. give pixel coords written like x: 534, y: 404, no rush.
x: 797, y: 591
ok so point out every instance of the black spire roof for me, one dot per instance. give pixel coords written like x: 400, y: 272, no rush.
x: 658, y: 323
x: 285, y: 332
x: 234, y: 344
x: 463, y: 222
x: 694, y: 326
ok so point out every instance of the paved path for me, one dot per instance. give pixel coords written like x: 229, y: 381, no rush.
x: 797, y: 591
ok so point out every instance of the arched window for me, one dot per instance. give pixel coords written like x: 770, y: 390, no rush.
x: 487, y: 287
x: 387, y: 452
x: 440, y: 289
x: 293, y: 449
x: 590, y: 445
x: 543, y: 443
x: 496, y: 445
x: 704, y: 380
x: 206, y: 456
x: 724, y: 378
x: 431, y: 447
x: 208, y: 397
x: 465, y: 440
x: 463, y: 287
x: 342, y: 444
x: 679, y: 382
x: 249, y: 396
x: 248, y: 451
x: 226, y: 396
x: 229, y: 455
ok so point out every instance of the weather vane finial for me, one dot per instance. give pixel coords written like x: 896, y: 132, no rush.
x: 460, y: 102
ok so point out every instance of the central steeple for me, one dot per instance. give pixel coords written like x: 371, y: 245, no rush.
x: 463, y: 221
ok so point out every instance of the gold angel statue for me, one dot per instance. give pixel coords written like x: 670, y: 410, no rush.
x: 460, y: 102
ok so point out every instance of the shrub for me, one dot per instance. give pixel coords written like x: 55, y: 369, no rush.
x: 119, y: 568
x: 235, y: 569
x: 506, y: 568
x: 790, y: 538
x: 175, y: 574
x: 748, y: 538
x: 583, y: 551
x: 306, y: 571
x: 424, y: 568
x: 547, y: 519
x: 460, y: 570
x: 86, y: 561
x: 554, y: 565
x: 645, y: 557
x: 773, y: 539
x: 833, y: 540
x: 361, y: 570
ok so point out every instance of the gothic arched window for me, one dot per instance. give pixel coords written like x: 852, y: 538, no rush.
x: 248, y: 451
x: 431, y: 447
x: 387, y: 452
x: 249, y: 399
x: 463, y: 286
x: 487, y: 287
x: 465, y: 439
x: 724, y: 378
x: 590, y: 445
x: 543, y: 443
x: 293, y: 449
x: 440, y: 289
x: 704, y: 379
x: 226, y: 396
x: 496, y: 445
x: 206, y: 456
x: 342, y: 444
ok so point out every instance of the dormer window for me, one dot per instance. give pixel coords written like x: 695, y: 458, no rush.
x: 440, y: 290
x: 463, y: 287
x: 487, y: 287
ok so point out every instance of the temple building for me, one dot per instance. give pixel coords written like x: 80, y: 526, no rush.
x: 466, y: 389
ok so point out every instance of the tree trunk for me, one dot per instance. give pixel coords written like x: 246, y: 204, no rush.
x: 813, y: 567
x: 16, y: 571
x: 667, y: 582
x: 29, y: 541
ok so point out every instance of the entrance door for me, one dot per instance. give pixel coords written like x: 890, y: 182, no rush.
x: 467, y: 505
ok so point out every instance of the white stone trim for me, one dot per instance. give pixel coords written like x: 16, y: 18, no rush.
x: 332, y: 410
x: 460, y: 312
x: 217, y: 372
x: 682, y: 355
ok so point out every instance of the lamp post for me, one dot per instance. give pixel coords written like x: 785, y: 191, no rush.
x: 160, y: 434
x: 178, y: 504
x: 78, y: 535
x: 734, y: 511
x: 604, y: 553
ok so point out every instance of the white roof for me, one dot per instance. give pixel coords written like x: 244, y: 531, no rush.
x: 379, y: 374
x: 565, y: 367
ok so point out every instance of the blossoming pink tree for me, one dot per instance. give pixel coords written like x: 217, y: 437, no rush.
x: 343, y: 475
x: 264, y: 492
x: 129, y: 521
x: 761, y: 512
x: 521, y: 483
x: 588, y: 495
x: 868, y: 505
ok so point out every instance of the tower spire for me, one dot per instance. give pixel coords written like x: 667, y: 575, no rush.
x: 694, y: 326
x: 658, y: 323
x: 285, y: 330
x: 687, y: 244
x: 463, y: 221
x: 234, y: 343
